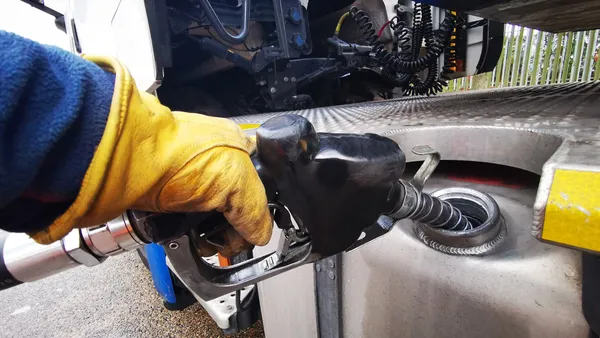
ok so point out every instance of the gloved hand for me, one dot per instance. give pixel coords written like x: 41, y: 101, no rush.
x: 152, y: 159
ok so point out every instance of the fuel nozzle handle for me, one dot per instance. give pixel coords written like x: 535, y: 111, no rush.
x: 334, y: 185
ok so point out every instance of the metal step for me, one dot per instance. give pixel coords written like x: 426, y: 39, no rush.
x: 553, y: 107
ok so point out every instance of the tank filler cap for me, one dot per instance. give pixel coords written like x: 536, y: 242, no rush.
x: 488, y: 232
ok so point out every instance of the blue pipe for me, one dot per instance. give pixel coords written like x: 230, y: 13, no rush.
x: 161, y: 276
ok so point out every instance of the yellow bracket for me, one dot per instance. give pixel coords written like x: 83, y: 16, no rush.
x: 573, y: 210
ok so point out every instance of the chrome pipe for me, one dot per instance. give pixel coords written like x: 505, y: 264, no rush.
x: 23, y: 260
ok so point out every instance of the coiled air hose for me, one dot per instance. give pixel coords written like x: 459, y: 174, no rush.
x: 402, y: 41
x: 432, y: 84
x: 402, y: 38
x: 392, y: 60
x: 399, y: 63
x: 417, y: 35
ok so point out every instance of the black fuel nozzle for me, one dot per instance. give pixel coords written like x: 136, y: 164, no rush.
x: 335, y: 185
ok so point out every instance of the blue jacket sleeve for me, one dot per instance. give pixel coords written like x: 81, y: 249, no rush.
x: 53, y: 109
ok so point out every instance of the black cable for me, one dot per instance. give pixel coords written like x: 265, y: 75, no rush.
x: 187, y: 30
x: 212, y: 46
x: 228, y: 46
x: 248, y: 49
x: 40, y: 5
x: 308, y: 78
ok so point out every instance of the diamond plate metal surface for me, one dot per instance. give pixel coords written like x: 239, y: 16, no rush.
x: 568, y: 112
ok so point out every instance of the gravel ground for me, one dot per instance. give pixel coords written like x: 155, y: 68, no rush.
x: 114, y: 299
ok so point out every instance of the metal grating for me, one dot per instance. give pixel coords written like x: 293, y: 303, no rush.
x: 563, y: 106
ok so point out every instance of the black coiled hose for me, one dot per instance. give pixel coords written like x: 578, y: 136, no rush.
x: 404, y: 63
x: 392, y: 60
x: 418, y: 87
x: 427, y: 25
x: 432, y: 84
x: 402, y: 41
x: 402, y: 38
x: 398, y: 80
x: 417, y: 35
x: 366, y: 26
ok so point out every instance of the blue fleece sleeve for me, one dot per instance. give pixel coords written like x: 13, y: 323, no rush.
x: 53, y: 109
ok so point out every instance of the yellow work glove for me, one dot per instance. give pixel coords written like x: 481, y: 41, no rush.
x: 152, y: 159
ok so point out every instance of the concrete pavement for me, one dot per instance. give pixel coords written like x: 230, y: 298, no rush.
x: 114, y: 299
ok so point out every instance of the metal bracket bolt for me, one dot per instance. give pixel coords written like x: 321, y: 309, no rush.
x: 331, y: 275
